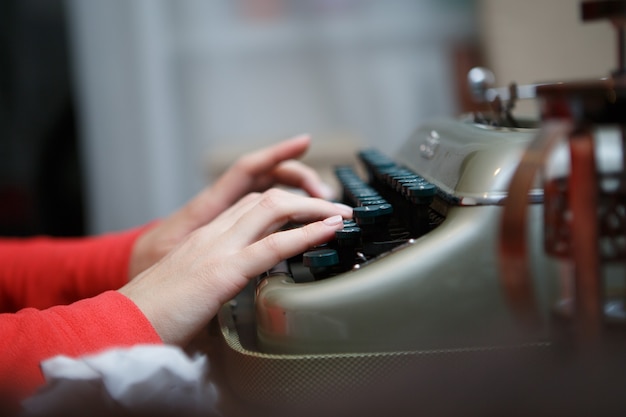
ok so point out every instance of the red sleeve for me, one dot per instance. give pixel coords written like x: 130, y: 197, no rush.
x: 87, y: 326
x: 42, y: 272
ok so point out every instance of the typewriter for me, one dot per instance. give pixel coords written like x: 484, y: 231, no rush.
x: 416, y: 268
x: 456, y: 287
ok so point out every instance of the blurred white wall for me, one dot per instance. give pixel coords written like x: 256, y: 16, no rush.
x: 534, y: 41
x: 163, y: 84
x: 133, y: 151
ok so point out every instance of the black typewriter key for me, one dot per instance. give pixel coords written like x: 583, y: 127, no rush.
x: 348, y: 242
x: 321, y: 262
x: 373, y: 221
x: 422, y: 192
x: 320, y: 258
x: 420, y: 197
x: 373, y: 202
x: 375, y: 158
x: 387, y: 175
x: 363, y: 192
x: 405, y: 185
x: 371, y: 214
x: 396, y: 181
x: 375, y: 161
x: 394, y: 184
x: 348, y: 236
x: 407, y: 182
x: 390, y: 206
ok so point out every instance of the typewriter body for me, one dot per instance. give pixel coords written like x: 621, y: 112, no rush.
x: 428, y: 279
x: 482, y: 274
x: 415, y: 292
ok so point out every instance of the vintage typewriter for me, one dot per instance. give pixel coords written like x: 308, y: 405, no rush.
x: 456, y: 288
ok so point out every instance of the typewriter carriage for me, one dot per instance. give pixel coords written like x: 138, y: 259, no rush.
x: 584, y: 209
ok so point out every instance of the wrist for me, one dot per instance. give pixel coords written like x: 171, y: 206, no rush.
x: 144, y: 251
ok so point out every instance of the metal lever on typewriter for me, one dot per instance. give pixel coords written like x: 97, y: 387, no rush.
x: 502, y: 100
x: 581, y: 217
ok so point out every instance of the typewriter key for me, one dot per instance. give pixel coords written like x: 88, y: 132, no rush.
x: 321, y: 262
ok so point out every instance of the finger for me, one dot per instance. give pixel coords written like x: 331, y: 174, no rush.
x: 264, y: 160
x: 296, y: 174
x: 266, y: 253
x: 241, y: 177
x: 232, y: 275
x: 225, y: 220
x: 275, y: 208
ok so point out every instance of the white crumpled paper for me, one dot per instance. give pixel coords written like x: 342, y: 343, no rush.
x: 141, y: 380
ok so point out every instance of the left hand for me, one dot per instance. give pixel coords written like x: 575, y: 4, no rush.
x: 254, y: 172
x: 185, y: 289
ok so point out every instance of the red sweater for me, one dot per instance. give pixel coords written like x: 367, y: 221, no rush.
x: 56, y: 298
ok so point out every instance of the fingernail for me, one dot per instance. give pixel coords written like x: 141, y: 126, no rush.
x: 334, y: 220
x: 301, y: 136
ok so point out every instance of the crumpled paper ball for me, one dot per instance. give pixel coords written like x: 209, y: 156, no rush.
x: 150, y: 380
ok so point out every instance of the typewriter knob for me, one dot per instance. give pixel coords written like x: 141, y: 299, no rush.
x: 480, y: 80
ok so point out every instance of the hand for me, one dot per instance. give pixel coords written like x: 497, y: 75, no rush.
x: 183, y: 291
x: 260, y: 170
x: 256, y: 171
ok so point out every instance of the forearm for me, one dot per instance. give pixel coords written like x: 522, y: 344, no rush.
x: 42, y: 272
x: 88, y: 326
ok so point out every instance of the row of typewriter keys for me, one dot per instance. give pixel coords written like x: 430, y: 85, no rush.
x: 409, y: 193
x: 388, y: 210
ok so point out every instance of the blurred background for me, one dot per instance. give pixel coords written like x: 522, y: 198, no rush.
x: 113, y: 113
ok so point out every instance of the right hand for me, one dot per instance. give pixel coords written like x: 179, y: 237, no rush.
x: 184, y: 290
